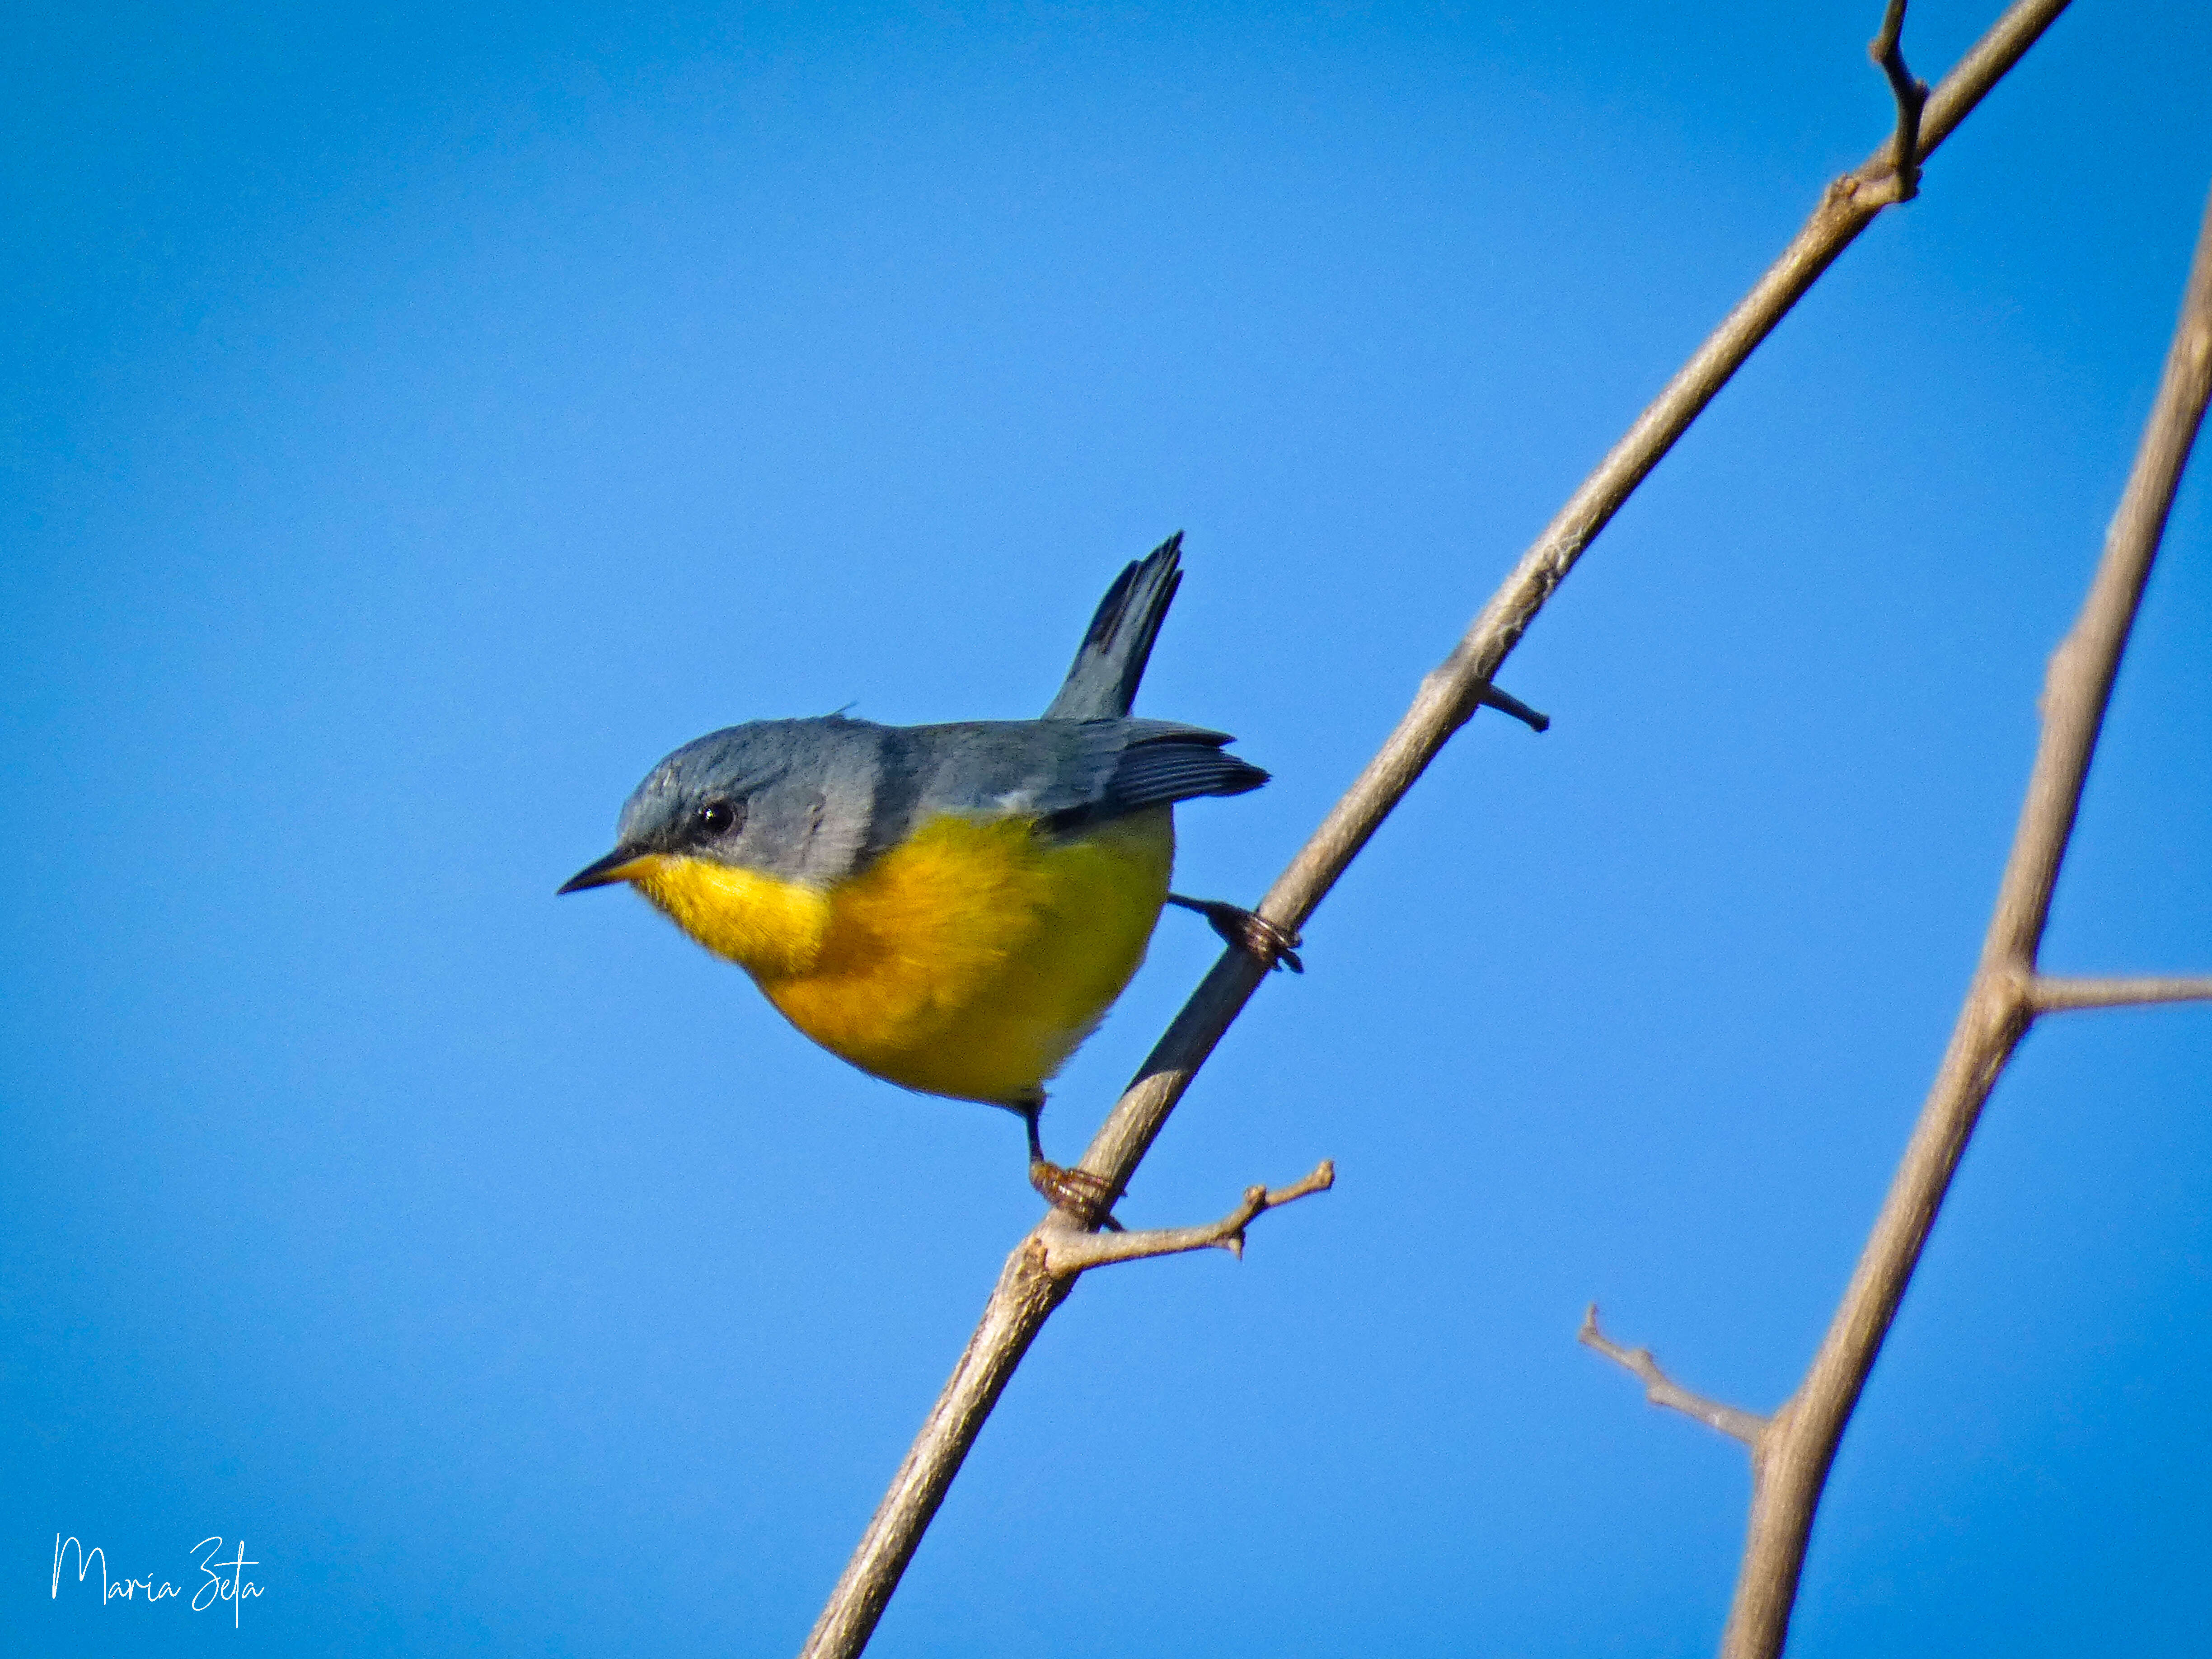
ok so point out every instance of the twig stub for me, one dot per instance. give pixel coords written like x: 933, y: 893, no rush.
x: 2050, y: 994
x: 1660, y: 1390
x: 1068, y: 1251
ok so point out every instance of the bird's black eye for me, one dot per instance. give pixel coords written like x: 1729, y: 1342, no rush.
x: 719, y: 817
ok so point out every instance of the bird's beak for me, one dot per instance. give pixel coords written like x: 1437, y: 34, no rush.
x: 618, y: 865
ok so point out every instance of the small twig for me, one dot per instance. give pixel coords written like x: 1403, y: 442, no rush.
x: 1887, y: 50
x: 1068, y: 1252
x: 1661, y: 1389
x: 2048, y: 993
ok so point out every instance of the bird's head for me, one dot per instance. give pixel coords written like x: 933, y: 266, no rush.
x: 738, y: 836
x: 700, y: 802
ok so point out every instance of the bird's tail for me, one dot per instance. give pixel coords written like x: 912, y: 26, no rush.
x: 1102, y: 683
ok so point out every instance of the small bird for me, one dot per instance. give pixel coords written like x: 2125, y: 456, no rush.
x: 951, y: 907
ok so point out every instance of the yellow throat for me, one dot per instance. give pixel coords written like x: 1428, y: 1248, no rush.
x: 970, y: 960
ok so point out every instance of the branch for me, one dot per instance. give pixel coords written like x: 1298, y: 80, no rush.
x: 1451, y: 692
x: 1660, y: 1390
x: 1448, y: 695
x: 1912, y: 96
x: 2047, y: 995
x: 2004, y: 997
x: 1068, y: 1251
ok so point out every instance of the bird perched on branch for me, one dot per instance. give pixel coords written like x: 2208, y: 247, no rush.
x: 951, y: 907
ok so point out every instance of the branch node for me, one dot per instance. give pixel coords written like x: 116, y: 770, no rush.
x: 1068, y: 1253
x: 1749, y: 1427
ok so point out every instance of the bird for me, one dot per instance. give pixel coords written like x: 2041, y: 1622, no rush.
x: 951, y: 907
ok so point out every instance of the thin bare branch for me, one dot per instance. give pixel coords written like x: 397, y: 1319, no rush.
x: 2049, y: 994
x: 1999, y: 1004
x: 1451, y: 692
x: 1068, y: 1251
x: 1448, y: 696
x: 1661, y: 1389
x: 1887, y: 50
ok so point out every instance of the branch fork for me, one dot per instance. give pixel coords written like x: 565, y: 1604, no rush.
x: 1066, y: 1252
x: 1792, y: 1451
x: 1888, y: 53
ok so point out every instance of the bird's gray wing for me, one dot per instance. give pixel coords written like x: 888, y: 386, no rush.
x: 1161, y: 762
x: 1062, y: 774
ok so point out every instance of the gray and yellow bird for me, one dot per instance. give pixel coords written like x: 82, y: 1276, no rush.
x: 951, y: 907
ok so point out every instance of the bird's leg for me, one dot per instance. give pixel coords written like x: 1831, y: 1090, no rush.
x: 1491, y: 697
x: 1248, y: 931
x: 1085, y: 1196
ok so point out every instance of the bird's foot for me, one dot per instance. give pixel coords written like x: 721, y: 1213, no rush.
x: 1078, y: 1194
x: 1248, y: 931
x: 1085, y: 1197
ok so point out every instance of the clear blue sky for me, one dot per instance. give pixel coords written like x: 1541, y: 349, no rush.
x: 417, y: 421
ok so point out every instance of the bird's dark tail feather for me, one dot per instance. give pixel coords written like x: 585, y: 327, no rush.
x: 1102, y: 683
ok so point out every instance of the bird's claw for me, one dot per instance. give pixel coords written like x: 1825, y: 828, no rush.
x: 1248, y: 931
x: 1086, y: 1198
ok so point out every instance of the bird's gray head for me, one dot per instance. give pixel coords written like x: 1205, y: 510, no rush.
x: 788, y: 798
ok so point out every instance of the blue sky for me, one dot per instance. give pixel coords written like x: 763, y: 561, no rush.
x: 417, y: 423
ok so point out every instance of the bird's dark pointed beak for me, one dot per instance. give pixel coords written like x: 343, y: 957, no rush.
x: 602, y: 873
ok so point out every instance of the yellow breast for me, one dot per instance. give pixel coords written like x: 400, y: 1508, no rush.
x: 968, y: 961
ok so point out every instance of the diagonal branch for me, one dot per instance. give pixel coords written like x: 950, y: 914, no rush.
x: 1451, y: 692
x: 1069, y: 1251
x: 2049, y: 994
x: 1661, y: 1389
x: 1449, y: 695
x: 2000, y: 1004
